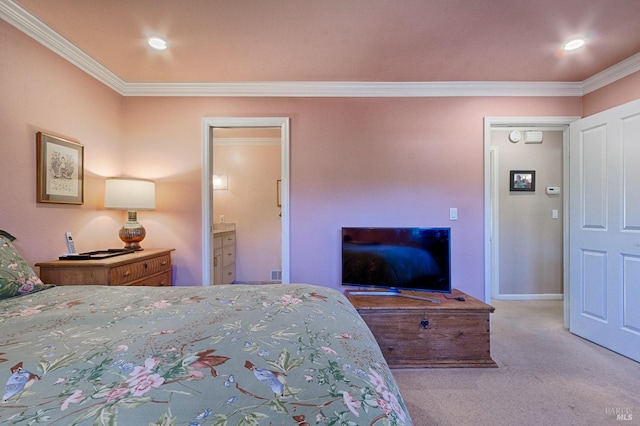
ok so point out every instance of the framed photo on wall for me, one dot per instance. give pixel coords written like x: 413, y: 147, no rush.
x: 522, y: 180
x: 60, y: 170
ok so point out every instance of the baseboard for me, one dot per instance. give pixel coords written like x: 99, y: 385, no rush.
x: 547, y: 296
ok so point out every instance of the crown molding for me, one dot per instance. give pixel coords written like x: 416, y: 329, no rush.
x: 20, y: 18
x: 612, y: 74
x: 355, y: 89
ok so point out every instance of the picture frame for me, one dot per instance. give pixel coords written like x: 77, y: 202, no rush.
x: 522, y: 180
x: 60, y: 170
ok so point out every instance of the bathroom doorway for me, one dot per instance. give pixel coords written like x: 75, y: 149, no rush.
x: 246, y: 203
x: 241, y: 144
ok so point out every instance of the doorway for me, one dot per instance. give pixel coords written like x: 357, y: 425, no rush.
x: 528, y: 213
x: 215, y: 127
x: 491, y: 201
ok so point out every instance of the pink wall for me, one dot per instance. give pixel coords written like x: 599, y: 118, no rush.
x: 354, y: 161
x: 617, y: 93
x: 365, y: 161
x: 40, y: 91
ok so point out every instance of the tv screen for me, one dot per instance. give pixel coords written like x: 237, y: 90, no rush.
x: 399, y: 258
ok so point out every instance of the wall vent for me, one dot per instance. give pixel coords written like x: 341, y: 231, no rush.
x: 532, y: 137
x: 276, y: 275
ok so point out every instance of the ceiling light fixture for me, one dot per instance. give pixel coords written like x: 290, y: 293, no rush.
x: 574, y: 44
x: 157, y: 43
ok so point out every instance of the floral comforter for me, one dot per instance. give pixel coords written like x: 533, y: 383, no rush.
x: 224, y: 355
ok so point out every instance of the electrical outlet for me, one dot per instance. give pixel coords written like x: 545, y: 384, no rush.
x: 221, y: 218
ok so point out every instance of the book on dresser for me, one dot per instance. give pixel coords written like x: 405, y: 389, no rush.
x: 148, y: 267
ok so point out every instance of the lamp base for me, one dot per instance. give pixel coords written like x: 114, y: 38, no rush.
x: 132, y: 232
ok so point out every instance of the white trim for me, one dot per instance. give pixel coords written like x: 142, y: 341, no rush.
x: 24, y: 21
x: 494, y: 224
x: 565, y: 225
x: 247, y: 141
x: 612, y: 74
x: 550, y: 296
x: 207, y: 199
x: 501, y: 123
x: 356, y: 89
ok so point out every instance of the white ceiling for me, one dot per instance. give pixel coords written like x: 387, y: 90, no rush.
x: 343, y: 42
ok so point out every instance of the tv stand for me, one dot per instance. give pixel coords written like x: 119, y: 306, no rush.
x: 416, y: 333
x: 395, y: 293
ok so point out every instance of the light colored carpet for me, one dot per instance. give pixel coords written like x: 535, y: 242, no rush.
x: 546, y: 376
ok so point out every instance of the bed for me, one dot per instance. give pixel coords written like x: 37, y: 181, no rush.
x: 293, y: 354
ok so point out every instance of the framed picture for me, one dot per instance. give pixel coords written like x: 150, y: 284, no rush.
x: 522, y: 180
x: 60, y: 170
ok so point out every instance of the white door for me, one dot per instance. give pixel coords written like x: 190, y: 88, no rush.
x: 605, y: 229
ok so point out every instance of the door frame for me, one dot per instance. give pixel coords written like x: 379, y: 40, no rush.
x: 208, y: 123
x: 490, y: 245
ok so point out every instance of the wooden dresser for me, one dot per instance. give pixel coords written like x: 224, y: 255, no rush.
x: 417, y: 333
x: 149, y: 267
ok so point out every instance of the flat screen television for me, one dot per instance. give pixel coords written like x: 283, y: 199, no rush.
x: 397, y: 258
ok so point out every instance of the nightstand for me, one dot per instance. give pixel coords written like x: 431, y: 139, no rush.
x: 149, y: 267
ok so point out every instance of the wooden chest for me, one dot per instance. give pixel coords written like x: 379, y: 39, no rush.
x: 417, y: 333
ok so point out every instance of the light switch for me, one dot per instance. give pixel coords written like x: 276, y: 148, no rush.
x: 453, y: 213
x: 554, y: 214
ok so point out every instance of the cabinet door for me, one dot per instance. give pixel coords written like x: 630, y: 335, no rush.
x: 217, y: 266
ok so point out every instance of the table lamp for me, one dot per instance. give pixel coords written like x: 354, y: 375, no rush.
x: 131, y: 195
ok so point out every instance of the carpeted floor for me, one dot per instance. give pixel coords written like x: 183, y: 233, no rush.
x: 546, y: 376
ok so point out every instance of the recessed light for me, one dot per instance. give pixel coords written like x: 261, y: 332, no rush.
x: 157, y: 43
x: 574, y: 44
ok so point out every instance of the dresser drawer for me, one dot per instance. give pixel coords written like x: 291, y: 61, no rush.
x: 229, y: 274
x: 229, y: 239
x: 160, y: 280
x: 228, y: 255
x: 126, y: 274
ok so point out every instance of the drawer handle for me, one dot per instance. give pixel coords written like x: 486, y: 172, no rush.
x: 164, y: 262
x: 126, y: 273
x: 424, y: 324
x: 215, y: 261
x: 146, y: 266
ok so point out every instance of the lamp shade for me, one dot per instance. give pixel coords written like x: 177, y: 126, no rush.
x: 129, y: 194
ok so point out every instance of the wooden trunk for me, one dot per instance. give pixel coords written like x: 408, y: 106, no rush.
x: 419, y: 333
